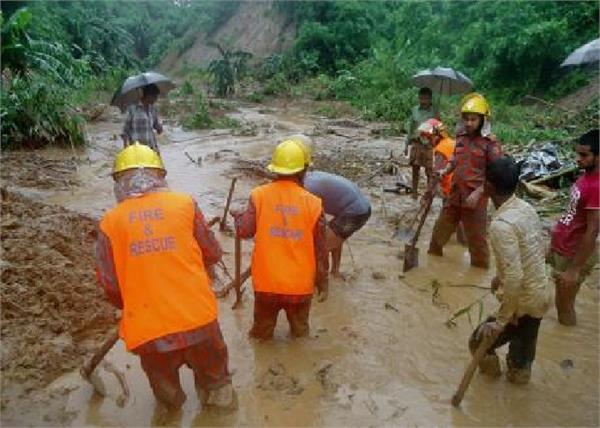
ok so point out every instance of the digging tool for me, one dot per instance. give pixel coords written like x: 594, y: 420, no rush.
x: 226, y: 210
x: 477, y: 356
x: 87, y: 370
x: 406, y: 233
x: 225, y: 291
x: 213, y: 221
x: 238, y: 275
x: 411, y: 252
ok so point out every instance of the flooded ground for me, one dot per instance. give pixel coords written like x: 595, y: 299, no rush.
x: 379, y: 352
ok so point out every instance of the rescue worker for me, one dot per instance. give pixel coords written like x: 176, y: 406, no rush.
x: 521, y: 283
x: 421, y: 154
x: 573, y: 247
x: 467, y: 202
x: 289, y: 257
x: 142, y: 120
x: 434, y: 131
x: 153, y: 251
x: 342, y: 199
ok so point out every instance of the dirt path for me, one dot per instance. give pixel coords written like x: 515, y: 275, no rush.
x: 379, y: 351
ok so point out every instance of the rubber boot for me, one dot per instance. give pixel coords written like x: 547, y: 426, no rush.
x: 490, y: 365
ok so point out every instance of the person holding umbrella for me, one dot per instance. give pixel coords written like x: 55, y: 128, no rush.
x: 443, y: 81
x: 142, y: 120
x: 421, y: 154
x: 137, y: 96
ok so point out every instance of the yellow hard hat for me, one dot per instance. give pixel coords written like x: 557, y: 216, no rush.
x: 475, y: 103
x: 303, y: 142
x: 288, y: 158
x: 137, y: 155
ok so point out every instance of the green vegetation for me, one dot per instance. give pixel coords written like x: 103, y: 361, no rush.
x: 58, y: 55
x: 204, y: 115
x: 369, y: 50
x: 227, y: 70
x: 360, y: 52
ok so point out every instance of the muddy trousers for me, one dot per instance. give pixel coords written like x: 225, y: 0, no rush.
x: 521, y: 339
x: 265, y: 317
x: 207, y: 359
x: 564, y: 298
x: 421, y: 155
x: 474, y: 222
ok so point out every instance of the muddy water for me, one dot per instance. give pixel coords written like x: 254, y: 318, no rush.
x: 379, y: 352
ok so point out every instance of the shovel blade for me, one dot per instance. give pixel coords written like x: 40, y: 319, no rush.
x: 411, y: 258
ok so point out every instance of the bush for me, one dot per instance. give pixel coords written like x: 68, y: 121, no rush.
x: 36, y: 112
x: 276, y: 85
x: 186, y: 88
x: 200, y: 118
x: 256, y: 97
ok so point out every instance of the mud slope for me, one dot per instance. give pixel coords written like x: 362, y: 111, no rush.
x: 256, y: 27
x: 53, y: 313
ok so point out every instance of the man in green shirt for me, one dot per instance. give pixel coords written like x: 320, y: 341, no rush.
x: 421, y: 154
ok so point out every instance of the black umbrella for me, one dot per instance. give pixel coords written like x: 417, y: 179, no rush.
x: 443, y: 80
x: 130, y: 91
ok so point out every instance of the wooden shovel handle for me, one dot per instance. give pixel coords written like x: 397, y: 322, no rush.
x: 468, y: 376
x: 226, y: 210
x: 89, y: 366
x: 225, y: 291
x: 428, y: 203
x: 238, y: 271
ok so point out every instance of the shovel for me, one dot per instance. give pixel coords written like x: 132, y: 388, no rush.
x: 406, y: 233
x: 238, y: 273
x: 223, y: 221
x: 411, y: 252
x: 468, y: 375
x: 87, y: 370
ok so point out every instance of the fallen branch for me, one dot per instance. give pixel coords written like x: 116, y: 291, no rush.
x: 197, y: 162
x: 537, y: 191
x: 556, y: 174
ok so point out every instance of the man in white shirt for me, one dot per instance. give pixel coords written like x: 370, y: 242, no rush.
x: 522, y: 285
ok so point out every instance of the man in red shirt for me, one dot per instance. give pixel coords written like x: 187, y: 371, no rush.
x: 573, y: 248
x: 467, y: 203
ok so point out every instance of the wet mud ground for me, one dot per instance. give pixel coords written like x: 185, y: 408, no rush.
x: 379, y: 353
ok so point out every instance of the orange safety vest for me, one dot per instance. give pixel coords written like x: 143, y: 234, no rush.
x: 446, y: 148
x: 283, y: 260
x: 164, y: 286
